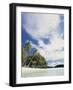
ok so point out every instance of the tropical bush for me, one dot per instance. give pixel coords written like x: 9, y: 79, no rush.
x: 34, y: 60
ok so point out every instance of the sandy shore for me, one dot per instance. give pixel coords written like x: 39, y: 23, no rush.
x: 35, y: 72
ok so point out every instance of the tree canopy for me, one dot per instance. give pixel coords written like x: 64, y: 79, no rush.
x: 34, y: 60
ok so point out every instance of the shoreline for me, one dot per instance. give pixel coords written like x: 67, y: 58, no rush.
x: 37, y: 72
x: 44, y: 67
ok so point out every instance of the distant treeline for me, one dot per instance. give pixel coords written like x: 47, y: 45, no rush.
x: 57, y: 66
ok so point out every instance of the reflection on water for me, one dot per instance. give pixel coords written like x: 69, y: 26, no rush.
x: 34, y: 72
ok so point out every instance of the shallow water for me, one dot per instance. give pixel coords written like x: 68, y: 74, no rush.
x: 33, y: 72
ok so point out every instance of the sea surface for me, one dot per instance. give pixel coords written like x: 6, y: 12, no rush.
x: 36, y: 72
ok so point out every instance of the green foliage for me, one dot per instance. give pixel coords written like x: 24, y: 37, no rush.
x: 22, y: 55
x: 35, y: 60
x: 27, y: 46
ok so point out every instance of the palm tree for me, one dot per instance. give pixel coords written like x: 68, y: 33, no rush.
x: 28, y: 47
x: 34, y: 54
x: 34, y: 60
x: 25, y: 52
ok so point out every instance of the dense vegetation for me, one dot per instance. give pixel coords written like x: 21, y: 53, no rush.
x: 31, y: 58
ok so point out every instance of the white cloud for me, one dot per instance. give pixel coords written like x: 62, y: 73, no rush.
x: 40, y: 25
x: 45, y: 25
x: 51, y: 51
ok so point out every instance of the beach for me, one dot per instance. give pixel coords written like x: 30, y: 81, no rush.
x: 37, y: 72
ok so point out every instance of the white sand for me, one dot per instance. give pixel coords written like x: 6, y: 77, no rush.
x: 36, y: 72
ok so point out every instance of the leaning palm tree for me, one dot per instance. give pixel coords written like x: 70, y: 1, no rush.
x: 32, y: 57
x: 25, y: 51
x: 28, y: 47
x: 23, y: 56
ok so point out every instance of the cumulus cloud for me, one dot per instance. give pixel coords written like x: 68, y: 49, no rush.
x: 40, y: 25
x: 45, y: 26
x: 50, y: 51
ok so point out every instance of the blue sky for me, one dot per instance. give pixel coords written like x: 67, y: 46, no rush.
x: 45, y: 32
